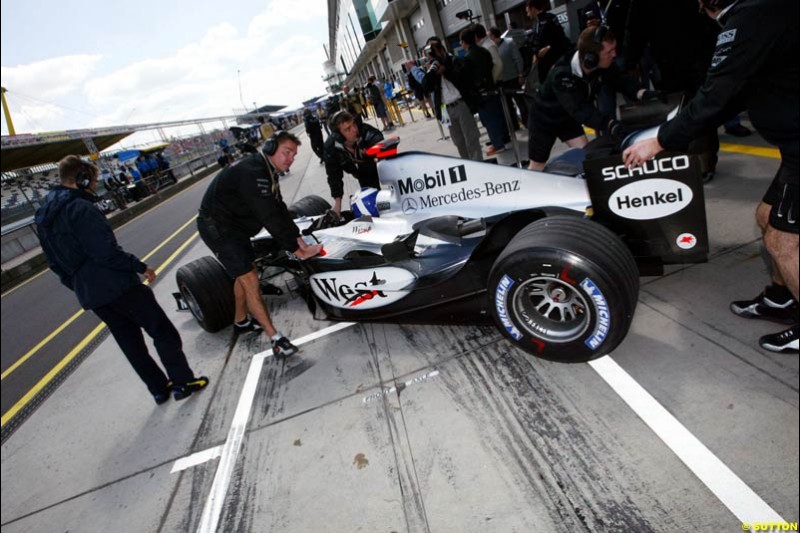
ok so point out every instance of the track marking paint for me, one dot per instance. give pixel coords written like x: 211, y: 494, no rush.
x: 212, y: 510
x: 740, y: 499
x: 403, y: 385
x: 196, y: 459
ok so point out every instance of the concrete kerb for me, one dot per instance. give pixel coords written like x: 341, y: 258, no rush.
x: 26, y: 270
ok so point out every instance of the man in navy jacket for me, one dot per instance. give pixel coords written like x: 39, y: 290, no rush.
x: 81, y: 249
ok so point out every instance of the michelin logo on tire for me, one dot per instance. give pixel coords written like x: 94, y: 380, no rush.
x: 603, y: 322
x: 500, y: 299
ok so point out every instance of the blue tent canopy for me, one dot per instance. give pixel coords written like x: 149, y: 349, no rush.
x: 125, y: 155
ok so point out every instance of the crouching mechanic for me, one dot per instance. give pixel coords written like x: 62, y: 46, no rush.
x: 240, y: 201
x: 566, y: 100
x: 345, y: 152
x: 81, y: 249
x: 751, y: 65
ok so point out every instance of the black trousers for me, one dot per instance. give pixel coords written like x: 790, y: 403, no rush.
x: 138, y: 310
x: 317, y: 144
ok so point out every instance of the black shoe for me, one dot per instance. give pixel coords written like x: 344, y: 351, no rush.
x: 246, y: 325
x: 782, y: 310
x: 784, y: 342
x: 163, y: 396
x: 738, y: 131
x: 283, y: 348
x: 181, y: 392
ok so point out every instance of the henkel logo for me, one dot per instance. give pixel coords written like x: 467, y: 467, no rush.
x: 649, y: 199
x: 362, y: 289
x: 440, y: 178
x: 653, y: 166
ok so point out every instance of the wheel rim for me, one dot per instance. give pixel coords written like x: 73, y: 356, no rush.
x: 551, y: 309
x: 192, y: 303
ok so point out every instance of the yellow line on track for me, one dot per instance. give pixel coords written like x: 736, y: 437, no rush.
x: 760, y: 151
x: 36, y: 389
x: 746, y: 149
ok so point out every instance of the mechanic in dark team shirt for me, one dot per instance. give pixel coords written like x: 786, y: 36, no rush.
x: 754, y: 67
x: 82, y: 251
x: 567, y: 99
x: 240, y: 201
x: 345, y: 152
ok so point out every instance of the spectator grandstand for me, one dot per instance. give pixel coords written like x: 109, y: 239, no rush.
x: 23, y: 188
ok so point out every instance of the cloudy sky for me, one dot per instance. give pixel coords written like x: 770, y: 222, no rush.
x: 91, y: 63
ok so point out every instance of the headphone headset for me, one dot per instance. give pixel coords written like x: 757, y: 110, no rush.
x: 332, y: 121
x: 591, y: 58
x: 83, y: 179
x: 271, y: 145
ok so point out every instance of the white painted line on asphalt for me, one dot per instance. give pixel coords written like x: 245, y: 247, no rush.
x: 732, y: 492
x: 413, y: 381
x: 196, y: 459
x: 233, y: 444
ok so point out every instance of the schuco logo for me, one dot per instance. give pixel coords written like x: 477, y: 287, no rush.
x: 653, y: 166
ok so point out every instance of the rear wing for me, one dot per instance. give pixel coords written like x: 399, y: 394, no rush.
x: 658, y: 209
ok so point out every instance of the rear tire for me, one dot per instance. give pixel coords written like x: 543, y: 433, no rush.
x: 564, y: 289
x: 309, y: 206
x: 208, y: 290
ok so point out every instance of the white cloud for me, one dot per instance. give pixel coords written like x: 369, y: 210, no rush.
x: 277, y: 60
x: 49, y: 78
x: 286, y: 13
x: 35, y: 117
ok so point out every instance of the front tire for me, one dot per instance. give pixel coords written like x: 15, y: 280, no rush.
x: 208, y: 291
x: 564, y: 289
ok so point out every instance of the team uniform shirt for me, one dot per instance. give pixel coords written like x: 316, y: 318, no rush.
x: 247, y: 197
x: 754, y: 67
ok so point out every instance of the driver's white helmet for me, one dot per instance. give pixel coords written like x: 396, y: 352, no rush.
x: 365, y: 202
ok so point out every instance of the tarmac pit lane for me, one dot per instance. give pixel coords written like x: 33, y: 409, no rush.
x: 743, y: 502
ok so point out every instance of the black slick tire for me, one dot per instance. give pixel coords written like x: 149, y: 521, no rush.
x: 564, y: 289
x: 309, y: 206
x: 208, y: 290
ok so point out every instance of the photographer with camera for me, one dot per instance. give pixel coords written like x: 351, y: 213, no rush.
x: 453, y: 99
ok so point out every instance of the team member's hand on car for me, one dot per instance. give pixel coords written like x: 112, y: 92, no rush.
x: 306, y: 251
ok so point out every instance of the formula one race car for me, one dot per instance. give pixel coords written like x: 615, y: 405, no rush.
x: 553, y: 257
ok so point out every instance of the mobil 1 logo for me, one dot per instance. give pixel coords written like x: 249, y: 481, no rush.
x: 440, y: 178
x: 651, y: 205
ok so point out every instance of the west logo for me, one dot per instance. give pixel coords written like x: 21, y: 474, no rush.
x: 654, y: 166
x: 349, y: 295
x: 441, y: 178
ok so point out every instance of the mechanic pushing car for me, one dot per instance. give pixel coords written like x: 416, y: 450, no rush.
x: 240, y: 201
x: 345, y: 152
x: 751, y: 69
x: 566, y: 100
